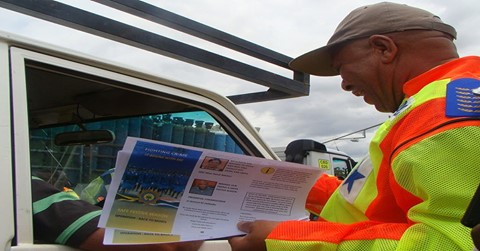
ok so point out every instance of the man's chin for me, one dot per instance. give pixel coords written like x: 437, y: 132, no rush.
x: 379, y: 108
x: 383, y: 109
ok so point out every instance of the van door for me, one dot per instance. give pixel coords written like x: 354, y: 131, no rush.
x: 52, y: 95
x: 6, y: 181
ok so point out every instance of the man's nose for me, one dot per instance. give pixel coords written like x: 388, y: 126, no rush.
x: 346, y: 86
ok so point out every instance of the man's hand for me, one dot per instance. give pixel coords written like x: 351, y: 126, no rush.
x: 257, y: 232
x: 95, y: 243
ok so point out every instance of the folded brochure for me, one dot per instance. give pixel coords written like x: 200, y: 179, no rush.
x: 163, y: 192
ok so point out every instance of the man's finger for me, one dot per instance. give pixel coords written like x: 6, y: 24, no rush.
x: 245, y: 226
x: 233, y: 241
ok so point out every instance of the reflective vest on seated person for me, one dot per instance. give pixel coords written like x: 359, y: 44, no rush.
x: 412, y: 191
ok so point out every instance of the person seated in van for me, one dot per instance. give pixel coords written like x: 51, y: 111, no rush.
x: 61, y: 217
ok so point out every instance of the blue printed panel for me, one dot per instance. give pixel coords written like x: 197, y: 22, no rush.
x: 463, y: 98
x: 166, y: 158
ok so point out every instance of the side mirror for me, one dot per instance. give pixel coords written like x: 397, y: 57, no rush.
x: 84, y: 138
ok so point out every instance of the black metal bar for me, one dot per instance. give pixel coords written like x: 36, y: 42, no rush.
x: 189, y: 26
x: 91, y: 23
x: 301, y: 77
x: 258, y: 97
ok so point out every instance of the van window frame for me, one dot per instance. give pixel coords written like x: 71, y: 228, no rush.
x: 6, y: 151
x: 20, y: 121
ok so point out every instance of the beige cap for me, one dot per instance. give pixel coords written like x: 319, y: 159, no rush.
x: 380, y: 18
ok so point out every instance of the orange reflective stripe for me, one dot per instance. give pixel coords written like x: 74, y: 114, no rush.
x: 408, y: 130
x: 371, y: 230
x: 457, y: 124
x: 385, y: 207
x: 336, y: 232
x: 416, y: 124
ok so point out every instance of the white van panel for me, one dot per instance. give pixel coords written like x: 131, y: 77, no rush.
x: 6, y: 181
x: 24, y: 235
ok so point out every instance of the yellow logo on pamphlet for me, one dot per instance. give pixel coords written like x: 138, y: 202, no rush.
x: 268, y: 170
x: 149, y: 196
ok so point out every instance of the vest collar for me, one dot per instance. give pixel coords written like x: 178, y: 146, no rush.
x: 465, y: 66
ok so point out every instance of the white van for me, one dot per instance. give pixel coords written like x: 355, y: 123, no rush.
x: 46, y: 91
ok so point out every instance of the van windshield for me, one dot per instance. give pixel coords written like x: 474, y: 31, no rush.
x: 64, y: 100
x: 74, y: 166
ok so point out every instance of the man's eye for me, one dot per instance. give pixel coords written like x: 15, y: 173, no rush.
x: 337, y: 69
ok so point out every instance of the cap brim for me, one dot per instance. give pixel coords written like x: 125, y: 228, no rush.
x: 317, y: 62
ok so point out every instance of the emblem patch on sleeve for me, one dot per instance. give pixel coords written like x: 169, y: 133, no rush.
x: 463, y: 99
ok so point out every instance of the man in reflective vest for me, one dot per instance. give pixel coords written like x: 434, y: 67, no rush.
x: 423, y: 165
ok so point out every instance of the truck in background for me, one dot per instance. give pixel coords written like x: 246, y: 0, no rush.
x: 313, y: 153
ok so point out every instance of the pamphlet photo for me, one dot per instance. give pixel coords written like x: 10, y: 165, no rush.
x: 203, y: 187
x: 213, y: 163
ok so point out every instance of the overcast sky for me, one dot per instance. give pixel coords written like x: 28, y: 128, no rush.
x: 291, y: 27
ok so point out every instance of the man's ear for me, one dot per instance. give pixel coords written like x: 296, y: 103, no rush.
x: 384, y: 46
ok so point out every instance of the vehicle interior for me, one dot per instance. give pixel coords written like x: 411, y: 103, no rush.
x: 62, y: 101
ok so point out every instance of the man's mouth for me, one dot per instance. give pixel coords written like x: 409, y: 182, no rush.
x: 358, y: 93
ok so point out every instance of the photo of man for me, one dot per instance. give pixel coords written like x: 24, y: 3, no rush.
x: 203, y: 187
x: 212, y: 163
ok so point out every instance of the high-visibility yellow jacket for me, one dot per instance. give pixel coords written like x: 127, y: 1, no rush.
x: 423, y: 170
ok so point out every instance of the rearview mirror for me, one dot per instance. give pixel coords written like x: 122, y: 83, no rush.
x: 84, y: 138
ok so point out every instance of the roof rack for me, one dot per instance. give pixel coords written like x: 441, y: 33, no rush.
x: 280, y: 87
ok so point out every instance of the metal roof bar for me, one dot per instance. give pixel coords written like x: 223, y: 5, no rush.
x: 191, y: 27
x: 279, y: 87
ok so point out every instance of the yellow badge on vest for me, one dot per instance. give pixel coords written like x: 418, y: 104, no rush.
x: 463, y: 98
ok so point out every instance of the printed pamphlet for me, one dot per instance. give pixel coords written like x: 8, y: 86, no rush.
x: 163, y: 192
